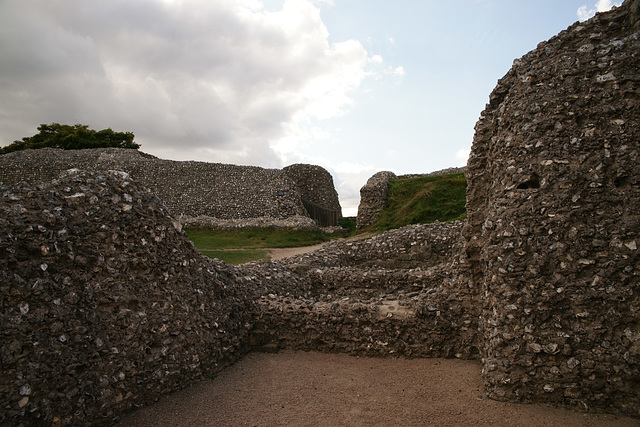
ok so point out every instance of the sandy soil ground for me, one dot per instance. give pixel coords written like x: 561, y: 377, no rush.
x: 314, y: 389
x: 279, y: 253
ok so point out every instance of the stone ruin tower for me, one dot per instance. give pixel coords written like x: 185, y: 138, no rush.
x: 373, y: 198
x: 553, y: 230
x: 317, y: 192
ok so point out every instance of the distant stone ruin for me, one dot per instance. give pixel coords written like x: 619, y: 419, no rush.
x: 374, y: 194
x: 317, y: 192
x: 194, y: 189
x: 373, y: 198
x: 106, y: 305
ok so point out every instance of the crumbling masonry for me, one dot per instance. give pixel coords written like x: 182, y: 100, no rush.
x: 192, y: 189
x: 553, y: 227
x: 105, y: 305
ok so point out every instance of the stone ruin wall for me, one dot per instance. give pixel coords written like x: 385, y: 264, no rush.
x: 553, y: 230
x: 190, y: 188
x: 374, y: 194
x: 373, y: 198
x: 396, y: 294
x: 541, y: 282
x: 316, y: 186
x: 106, y: 305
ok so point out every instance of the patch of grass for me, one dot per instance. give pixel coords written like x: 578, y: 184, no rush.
x: 237, y: 256
x: 244, y: 245
x: 422, y: 200
x: 254, y: 238
x: 348, y: 223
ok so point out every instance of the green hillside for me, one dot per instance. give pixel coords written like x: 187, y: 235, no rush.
x: 423, y: 200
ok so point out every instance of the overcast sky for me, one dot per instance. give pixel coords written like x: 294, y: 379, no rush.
x: 356, y: 86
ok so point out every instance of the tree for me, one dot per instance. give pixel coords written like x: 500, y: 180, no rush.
x: 73, y: 137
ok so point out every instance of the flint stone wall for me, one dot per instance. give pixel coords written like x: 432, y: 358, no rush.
x: 106, y: 304
x: 297, y: 222
x: 396, y: 294
x: 373, y: 198
x: 553, y: 230
x: 317, y: 192
x: 188, y: 188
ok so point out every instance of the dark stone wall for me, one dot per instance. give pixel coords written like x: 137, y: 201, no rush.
x: 105, y: 304
x: 398, y: 294
x: 317, y: 192
x: 373, y: 198
x: 553, y: 224
x: 189, y: 188
x: 315, y: 185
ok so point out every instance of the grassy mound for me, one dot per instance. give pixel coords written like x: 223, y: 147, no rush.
x: 422, y: 200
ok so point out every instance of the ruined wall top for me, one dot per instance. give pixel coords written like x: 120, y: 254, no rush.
x: 373, y: 198
x: 315, y: 185
x: 188, y: 188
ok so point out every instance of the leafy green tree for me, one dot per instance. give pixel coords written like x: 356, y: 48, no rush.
x: 72, y: 138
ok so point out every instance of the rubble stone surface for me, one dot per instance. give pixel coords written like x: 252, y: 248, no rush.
x: 188, y: 188
x: 373, y: 198
x: 395, y: 294
x: 296, y: 222
x: 106, y: 304
x: 553, y: 230
x: 317, y: 191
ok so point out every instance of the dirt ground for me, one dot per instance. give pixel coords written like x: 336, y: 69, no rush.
x: 314, y: 389
x: 279, y: 253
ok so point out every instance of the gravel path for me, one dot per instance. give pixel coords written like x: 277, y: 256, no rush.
x: 314, y: 389
x: 279, y: 253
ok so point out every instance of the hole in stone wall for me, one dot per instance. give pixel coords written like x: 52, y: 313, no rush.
x: 532, y: 182
x: 621, y: 181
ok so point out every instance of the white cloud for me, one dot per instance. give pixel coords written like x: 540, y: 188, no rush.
x: 462, y: 156
x: 217, y: 81
x: 349, y: 177
x: 324, y: 2
x: 399, y: 71
x: 585, y: 13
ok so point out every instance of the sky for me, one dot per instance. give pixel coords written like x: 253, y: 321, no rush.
x: 355, y: 86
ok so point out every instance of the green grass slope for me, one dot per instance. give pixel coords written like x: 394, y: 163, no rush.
x: 422, y: 200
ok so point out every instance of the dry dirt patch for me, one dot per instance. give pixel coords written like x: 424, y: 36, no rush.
x: 280, y: 253
x: 314, y: 389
